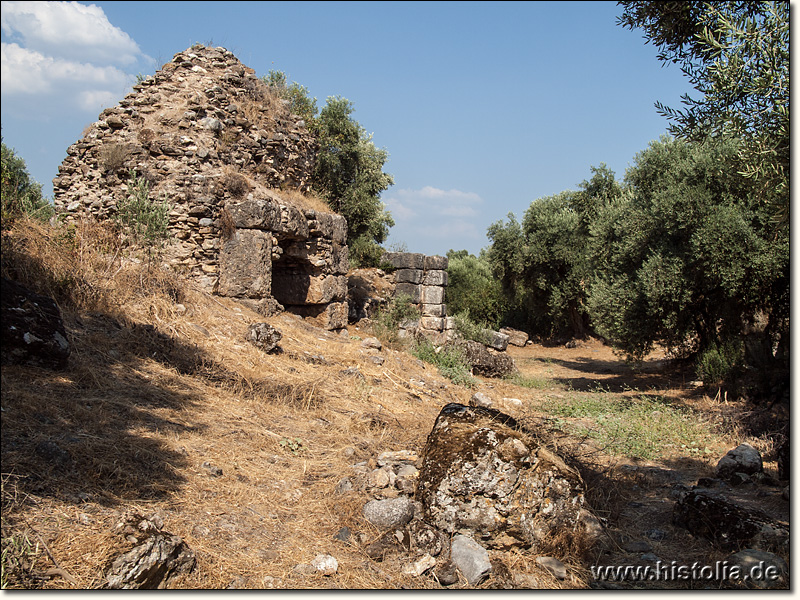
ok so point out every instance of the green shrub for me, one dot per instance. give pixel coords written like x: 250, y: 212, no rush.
x: 470, y: 330
x: 473, y: 287
x: 388, y: 320
x: 364, y: 253
x: 145, y: 220
x: 720, y: 363
x: 450, y: 360
x: 20, y: 194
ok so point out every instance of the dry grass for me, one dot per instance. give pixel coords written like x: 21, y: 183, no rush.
x: 162, y: 389
x: 305, y: 200
x: 160, y: 382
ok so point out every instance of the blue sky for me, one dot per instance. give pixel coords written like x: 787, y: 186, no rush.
x: 483, y: 107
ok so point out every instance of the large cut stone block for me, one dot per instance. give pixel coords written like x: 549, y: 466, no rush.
x: 291, y: 225
x: 245, y: 265
x: 438, y: 263
x: 433, y: 310
x: 408, y: 289
x: 297, y: 286
x: 262, y: 213
x: 326, y: 316
x: 435, y: 278
x: 431, y: 294
x: 340, y: 263
x: 432, y: 323
x: 404, y: 260
x: 327, y: 225
x: 408, y: 276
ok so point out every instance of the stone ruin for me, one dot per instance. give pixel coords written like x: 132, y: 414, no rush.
x: 423, y: 279
x: 234, y: 167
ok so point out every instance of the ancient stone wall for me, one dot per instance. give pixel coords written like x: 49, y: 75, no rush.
x: 424, y: 279
x: 232, y: 163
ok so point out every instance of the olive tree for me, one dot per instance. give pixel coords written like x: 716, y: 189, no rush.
x: 736, y: 56
x: 349, y: 176
x: 686, y: 258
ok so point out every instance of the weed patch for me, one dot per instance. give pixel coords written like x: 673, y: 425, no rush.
x: 450, y: 360
x: 640, y: 427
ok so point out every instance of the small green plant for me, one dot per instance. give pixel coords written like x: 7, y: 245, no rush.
x: 449, y: 359
x: 387, y: 323
x: 18, y: 554
x: 300, y: 101
x: 534, y: 383
x: 470, y: 330
x: 640, y: 427
x: 295, y: 445
x: 144, y: 219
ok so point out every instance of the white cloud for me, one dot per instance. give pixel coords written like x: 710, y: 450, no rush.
x: 70, y: 30
x: 59, y: 57
x: 429, y: 202
x: 433, y: 220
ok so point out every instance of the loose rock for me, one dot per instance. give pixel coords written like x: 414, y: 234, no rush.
x: 765, y: 569
x: 481, y: 473
x: 555, y: 566
x: 151, y: 564
x: 471, y: 558
x: 264, y: 336
x: 325, y: 564
x: 420, y: 567
x: 742, y: 459
x: 482, y: 400
x: 393, y: 512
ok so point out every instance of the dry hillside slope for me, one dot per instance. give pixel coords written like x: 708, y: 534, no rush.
x: 166, y: 411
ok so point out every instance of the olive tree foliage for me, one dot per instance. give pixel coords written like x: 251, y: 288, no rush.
x: 300, y: 101
x: 349, y: 176
x: 543, y: 262
x: 349, y: 169
x: 686, y: 257
x: 736, y: 55
x: 20, y: 193
x: 472, y: 289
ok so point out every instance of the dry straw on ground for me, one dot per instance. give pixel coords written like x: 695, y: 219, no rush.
x: 165, y: 409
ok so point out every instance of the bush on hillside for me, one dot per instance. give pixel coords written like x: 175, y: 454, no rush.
x: 21, y: 195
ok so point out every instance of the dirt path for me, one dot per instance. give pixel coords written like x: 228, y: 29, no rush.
x: 638, y: 494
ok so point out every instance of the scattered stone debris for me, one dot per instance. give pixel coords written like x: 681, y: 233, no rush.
x: 553, y: 565
x: 515, y: 337
x: 371, y: 343
x: 389, y: 513
x: 482, y: 361
x: 420, y: 567
x: 264, y: 336
x: 213, y: 470
x: 157, y: 558
x: 325, y: 564
x: 471, y: 558
x: 709, y: 514
x: 33, y: 332
x: 744, y: 459
x: 482, y: 400
x: 765, y: 569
